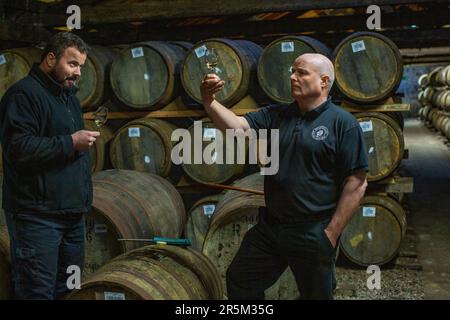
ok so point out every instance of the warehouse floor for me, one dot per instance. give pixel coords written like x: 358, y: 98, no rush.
x: 429, y: 205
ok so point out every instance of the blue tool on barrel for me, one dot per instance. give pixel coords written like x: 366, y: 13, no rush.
x: 161, y: 240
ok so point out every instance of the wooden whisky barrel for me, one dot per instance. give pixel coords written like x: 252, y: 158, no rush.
x: 384, y: 143
x: 442, y: 99
x: 15, y: 65
x: 423, y: 80
x: 420, y: 113
x: 426, y: 110
x: 145, y: 75
x: 198, y: 220
x: 214, y: 172
x: 237, y: 63
x: 446, y: 129
x: 432, y: 115
x: 443, y: 76
x: 421, y: 97
x: 433, y: 76
x: 275, y: 63
x: 93, y: 83
x: 5, y: 265
x: 441, y: 121
x: 375, y: 232
x: 155, y: 272
x: 428, y: 94
x: 143, y: 145
x: 235, y: 214
x: 129, y: 204
x: 99, y: 150
x: 368, y: 67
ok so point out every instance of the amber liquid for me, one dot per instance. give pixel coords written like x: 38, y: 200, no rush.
x: 211, y: 65
x: 99, y: 122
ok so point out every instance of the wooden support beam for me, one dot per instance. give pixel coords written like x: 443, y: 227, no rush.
x: 113, y: 11
x: 10, y: 31
x: 334, y: 24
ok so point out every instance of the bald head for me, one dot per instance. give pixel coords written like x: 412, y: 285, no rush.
x: 322, y: 65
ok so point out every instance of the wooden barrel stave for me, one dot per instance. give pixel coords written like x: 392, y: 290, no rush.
x: 93, y: 84
x: 274, y: 66
x: 368, y: 67
x: 99, y: 151
x: 236, y: 66
x: 373, y: 236
x: 15, y: 65
x: 198, y: 220
x: 149, y: 151
x: 384, y: 143
x: 145, y: 75
x: 155, y: 272
x: 129, y: 204
x: 211, y: 173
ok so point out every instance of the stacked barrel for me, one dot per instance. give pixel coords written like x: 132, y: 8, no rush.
x: 434, y: 95
x: 369, y: 69
x: 135, y: 179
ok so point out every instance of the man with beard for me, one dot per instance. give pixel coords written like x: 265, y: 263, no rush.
x: 47, y: 185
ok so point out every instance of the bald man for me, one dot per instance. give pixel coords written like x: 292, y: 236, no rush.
x: 318, y: 187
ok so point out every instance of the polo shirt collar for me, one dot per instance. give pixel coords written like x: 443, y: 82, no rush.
x: 315, y: 112
x: 47, y: 81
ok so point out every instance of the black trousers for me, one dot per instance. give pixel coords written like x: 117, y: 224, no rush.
x: 43, y: 246
x: 270, y: 247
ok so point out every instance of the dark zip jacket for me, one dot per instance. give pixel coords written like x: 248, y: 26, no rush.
x: 42, y: 171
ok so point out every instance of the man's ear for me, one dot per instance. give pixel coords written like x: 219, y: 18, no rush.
x: 50, y: 59
x: 325, y: 80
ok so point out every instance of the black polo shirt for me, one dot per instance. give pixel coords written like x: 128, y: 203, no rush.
x: 317, y: 151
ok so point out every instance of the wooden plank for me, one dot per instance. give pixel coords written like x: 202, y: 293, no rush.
x: 176, y: 109
x: 160, y: 114
x: 112, y: 11
x: 380, y: 108
x: 394, y: 185
x: 238, y: 110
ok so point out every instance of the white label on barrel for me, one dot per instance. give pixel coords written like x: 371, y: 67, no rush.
x: 358, y: 46
x: 134, y: 132
x: 369, y: 211
x: 287, y: 46
x: 146, y: 159
x: 100, y: 228
x: 208, y: 209
x: 114, y: 295
x: 209, y: 133
x: 366, y: 126
x: 2, y: 59
x: 137, y: 52
x: 200, y: 51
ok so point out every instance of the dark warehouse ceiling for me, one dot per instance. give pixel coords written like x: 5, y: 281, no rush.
x: 410, y: 24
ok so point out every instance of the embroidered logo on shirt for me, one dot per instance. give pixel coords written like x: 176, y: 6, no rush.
x: 320, y: 133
